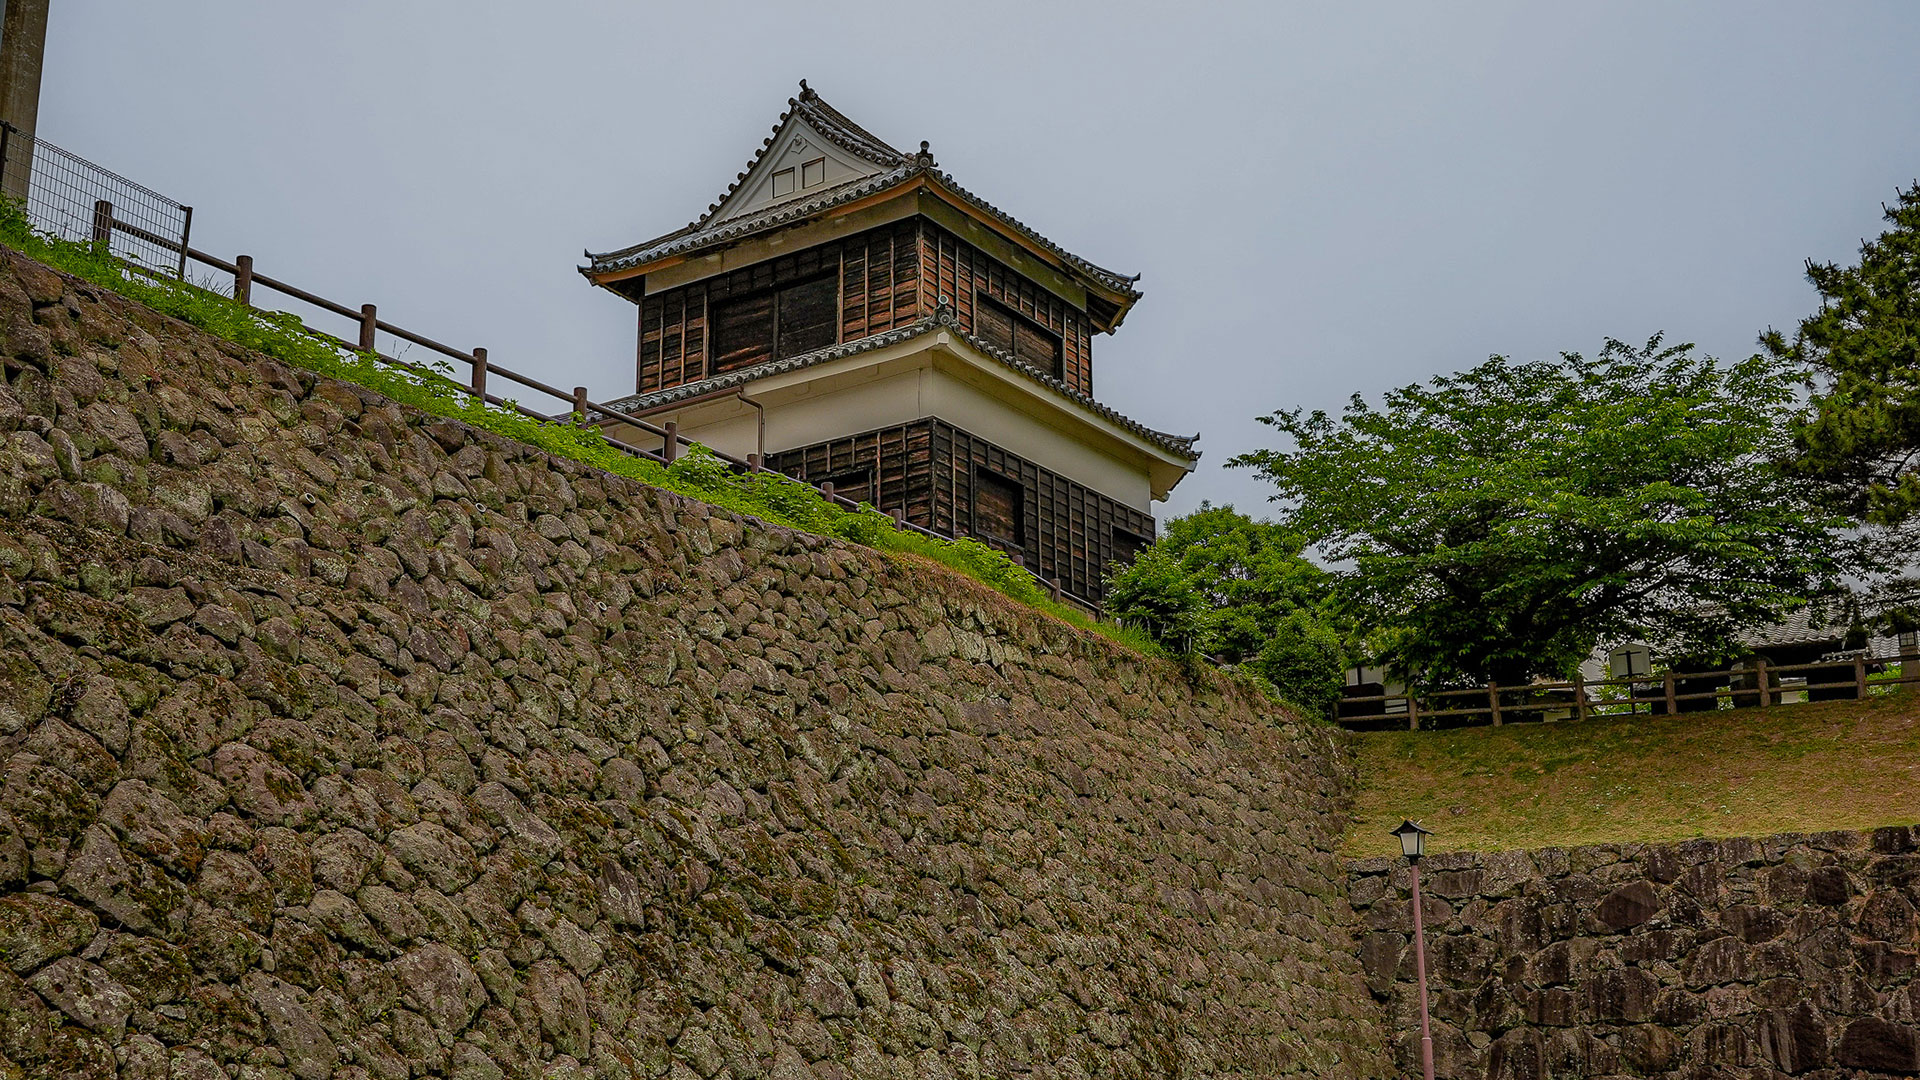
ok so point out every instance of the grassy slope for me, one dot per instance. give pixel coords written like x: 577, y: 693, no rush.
x: 1794, y: 768
x: 768, y: 496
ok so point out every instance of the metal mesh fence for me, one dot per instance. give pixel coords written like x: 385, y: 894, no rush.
x: 74, y: 199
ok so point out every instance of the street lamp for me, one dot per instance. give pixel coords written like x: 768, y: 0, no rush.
x: 1413, y: 844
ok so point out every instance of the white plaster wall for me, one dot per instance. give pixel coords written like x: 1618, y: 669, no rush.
x: 964, y: 406
x: 816, y: 412
x: 797, y: 143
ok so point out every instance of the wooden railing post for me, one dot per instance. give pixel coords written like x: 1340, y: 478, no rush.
x: 1860, y: 677
x: 1760, y: 680
x: 1493, y: 699
x: 1413, y: 711
x: 102, y: 221
x: 243, y: 279
x: 671, y: 449
x: 479, y: 370
x: 1673, y: 703
x: 826, y: 491
x: 753, y: 462
x: 899, y: 518
x: 1580, y: 696
x: 580, y: 405
x: 368, y: 320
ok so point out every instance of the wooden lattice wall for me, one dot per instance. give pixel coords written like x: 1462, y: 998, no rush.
x: 929, y: 469
x: 889, y: 277
x: 961, y: 272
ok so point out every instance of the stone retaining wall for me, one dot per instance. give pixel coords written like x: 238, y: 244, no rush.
x: 1790, y: 955
x: 339, y: 741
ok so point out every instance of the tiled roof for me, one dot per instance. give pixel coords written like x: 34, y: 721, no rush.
x: 900, y: 169
x: 942, y: 318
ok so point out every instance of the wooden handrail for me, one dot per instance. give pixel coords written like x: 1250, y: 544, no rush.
x: 481, y: 368
x: 1575, y: 696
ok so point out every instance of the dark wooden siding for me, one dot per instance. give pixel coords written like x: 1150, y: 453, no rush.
x: 896, y: 461
x: 930, y: 470
x: 888, y: 277
x: 959, y: 271
x: 879, y: 289
x: 880, y: 281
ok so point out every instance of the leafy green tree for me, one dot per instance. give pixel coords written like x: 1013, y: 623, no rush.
x: 1252, y: 574
x: 1494, y: 524
x: 1156, y: 595
x: 1861, y: 351
x: 1306, y: 661
x: 1245, y: 594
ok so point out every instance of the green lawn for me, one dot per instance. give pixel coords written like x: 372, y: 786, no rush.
x: 1750, y: 772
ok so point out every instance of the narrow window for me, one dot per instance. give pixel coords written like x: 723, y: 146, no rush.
x: 813, y: 173
x: 1015, y: 334
x: 783, y: 182
x: 998, y: 505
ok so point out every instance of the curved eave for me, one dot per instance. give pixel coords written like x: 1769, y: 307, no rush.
x: 1174, y: 455
x: 1115, y: 290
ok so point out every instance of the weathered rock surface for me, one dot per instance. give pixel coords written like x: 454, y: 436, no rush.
x: 339, y: 741
x: 1786, y: 956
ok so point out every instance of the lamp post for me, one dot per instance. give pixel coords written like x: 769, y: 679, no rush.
x: 1413, y: 843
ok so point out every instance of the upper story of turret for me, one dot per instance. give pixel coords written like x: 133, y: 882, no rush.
x: 831, y: 238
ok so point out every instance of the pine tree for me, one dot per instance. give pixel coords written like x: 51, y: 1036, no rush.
x: 1861, y: 353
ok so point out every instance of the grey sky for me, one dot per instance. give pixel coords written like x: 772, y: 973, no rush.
x: 1323, y: 198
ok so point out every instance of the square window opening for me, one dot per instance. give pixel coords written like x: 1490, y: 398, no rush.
x: 1019, y: 336
x: 1127, y: 546
x: 813, y: 173
x: 783, y: 182
x: 775, y: 324
x: 855, y: 484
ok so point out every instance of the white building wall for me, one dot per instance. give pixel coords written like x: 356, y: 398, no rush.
x: 833, y: 409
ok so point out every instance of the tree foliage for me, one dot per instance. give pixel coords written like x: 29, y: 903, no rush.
x: 1494, y: 524
x: 1861, y: 351
x: 1240, y: 591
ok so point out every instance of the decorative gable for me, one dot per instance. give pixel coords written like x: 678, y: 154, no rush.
x: 800, y: 163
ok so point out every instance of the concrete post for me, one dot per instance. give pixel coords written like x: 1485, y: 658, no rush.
x: 23, y: 44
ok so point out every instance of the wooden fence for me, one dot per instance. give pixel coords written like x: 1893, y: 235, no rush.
x: 1760, y: 686
x: 482, y: 373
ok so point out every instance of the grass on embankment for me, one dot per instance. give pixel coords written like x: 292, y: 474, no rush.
x: 700, y: 475
x: 1748, y: 772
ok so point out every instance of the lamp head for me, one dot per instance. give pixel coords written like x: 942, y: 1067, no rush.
x: 1413, y: 839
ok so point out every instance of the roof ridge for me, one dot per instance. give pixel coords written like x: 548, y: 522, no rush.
x: 837, y: 125
x: 827, y: 120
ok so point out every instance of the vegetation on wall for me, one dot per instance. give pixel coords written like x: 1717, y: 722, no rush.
x: 1494, y: 524
x: 699, y: 474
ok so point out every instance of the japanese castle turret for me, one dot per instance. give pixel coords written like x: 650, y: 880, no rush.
x: 852, y: 314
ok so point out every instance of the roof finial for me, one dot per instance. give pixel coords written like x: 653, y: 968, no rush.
x: 925, y: 160
x: 806, y: 92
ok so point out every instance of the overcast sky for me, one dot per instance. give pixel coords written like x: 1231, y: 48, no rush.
x: 1323, y: 199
